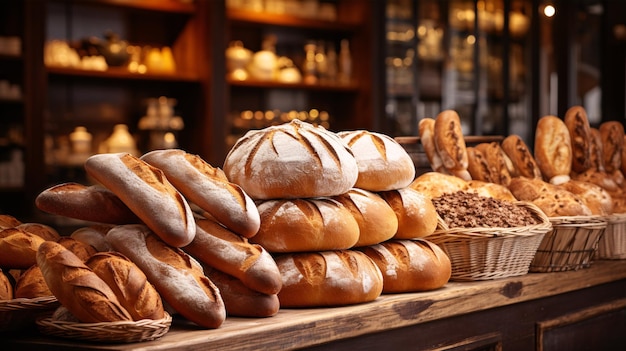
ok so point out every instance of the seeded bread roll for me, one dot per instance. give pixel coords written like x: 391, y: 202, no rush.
x: 580, y: 136
x: 417, y: 216
x: 328, y: 278
x: 31, y: 284
x: 6, y: 288
x: 450, y: 144
x: 18, y: 248
x: 208, y: 188
x: 521, y: 157
x: 383, y: 163
x: 148, y: 193
x: 77, y: 287
x: 553, y: 149
x: 297, y: 225
x: 434, y: 184
x: 292, y: 160
x: 410, y: 265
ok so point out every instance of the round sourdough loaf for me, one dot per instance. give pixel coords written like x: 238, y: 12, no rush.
x: 328, y: 278
x: 410, y: 265
x: 417, y: 216
x: 383, y: 163
x: 291, y: 160
x: 298, y: 225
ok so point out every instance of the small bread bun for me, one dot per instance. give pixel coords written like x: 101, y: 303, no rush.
x: 427, y: 139
x: 31, y: 284
x: 450, y: 143
x: 6, y: 288
x: 80, y: 249
x: 597, y: 199
x: 8, y: 221
x: 580, y: 136
x: 93, y: 235
x: 383, y: 163
x: 553, y: 149
x: 410, y: 265
x: 521, y: 157
x: 552, y: 200
x: 612, y: 134
x: 377, y: 220
x: 417, y: 216
x: 18, y: 248
x: 434, y: 184
x: 44, y: 231
x: 328, y: 278
x: 296, y: 225
x: 291, y: 160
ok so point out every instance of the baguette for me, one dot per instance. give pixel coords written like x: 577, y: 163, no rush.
x: 478, y: 165
x: 208, y: 188
x: 450, y: 144
x: 498, y: 170
x: 580, y: 136
x: 77, y: 287
x: 521, y: 157
x: 427, y: 139
x: 177, y: 277
x: 18, y: 248
x: 596, y: 154
x: 612, y: 134
x: 220, y: 248
x: 93, y: 203
x: 46, y: 232
x: 93, y: 235
x: 148, y: 193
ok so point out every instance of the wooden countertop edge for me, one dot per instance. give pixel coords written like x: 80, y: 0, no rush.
x: 296, y: 328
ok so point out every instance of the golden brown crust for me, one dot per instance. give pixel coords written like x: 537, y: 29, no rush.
x: 8, y: 221
x: 18, y: 248
x: 31, y: 284
x: 427, y: 139
x: 46, y: 232
x: 417, y: 216
x: 6, y: 288
x: 612, y: 134
x: 493, y: 155
x: 580, y: 137
x: 597, y: 199
x: 435, y: 184
x: 493, y: 190
x: 450, y: 142
x: 521, y: 157
x: 596, y: 152
x: 80, y: 249
x: 93, y: 235
x: 552, y: 200
x: 553, y: 149
x: 478, y: 166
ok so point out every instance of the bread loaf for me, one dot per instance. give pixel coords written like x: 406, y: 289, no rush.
x: 6, y: 288
x: 177, y: 277
x: 129, y: 284
x: 77, y: 287
x: 427, y: 139
x: 220, y: 248
x: 494, y: 156
x: 553, y: 201
x: 410, y: 265
x: 46, y: 232
x: 93, y: 235
x: 478, y: 166
x: 599, y: 178
x: 593, y: 196
x: 553, y: 149
x: 18, y: 248
x: 580, y: 137
x: 328, y: 278
x: 80, y: 249
x: 434, y: 184
x: 596, y: 152
x: 612, y: 134
x: 31, y: 284
x: 493, y: 190
x: 8, y: 221
x: 240, y: 300
x: 148, y: 193
x: 314, y: 224
x: 93, y: 203
x: 450, y: 143
x: 292, y: 160
x: 383, y: 163
x: 521, y: 157
x: 417, y: 216
x: 208, y: 188
x: 376, y: 219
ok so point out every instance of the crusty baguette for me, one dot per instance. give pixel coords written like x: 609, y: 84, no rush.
x: 208, y: 188
x: 596, y: 153
x: 77, y: 287
x: 427, y: 139
x: 450, y: 143
x: 18, y: 248
x: 148, y: 193
x: 178, y: 278
x: 220, y: 248
x: 580, y: 136
x: 93, y: 203
x: 478, y: 165
x: 553, y: 149
x: 521, y: 157
x: 129, y: 284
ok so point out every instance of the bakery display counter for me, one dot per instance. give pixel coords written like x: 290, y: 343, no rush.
x: 535, y: 311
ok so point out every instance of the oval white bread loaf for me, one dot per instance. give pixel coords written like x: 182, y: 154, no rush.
x: 220, y: 248
x: 521, y: 157
x: 18, y: 248
x: 450, y: 143
x: 435, y: 184
x: 46, y: 232
x: 208, y: 188
x: 612, y: 134
x: 427, y: 139
x: 410, y: 265
x: 376, y: 219
x: 291, y: 160
x: 417, y: 216
x: 31, y: 284
x: 178, y: 278
x: 383, y: 163
x: 129, y: 284
x: 8, y: 221
x: 93, y: 235
x: 553, y: 149
x: 328, y: 278
x: 297, y: 225
x: 240, y: 300
x: 148, y: 193
x: 77, y: 287
x: 93, y: 203
x: 580, y: 136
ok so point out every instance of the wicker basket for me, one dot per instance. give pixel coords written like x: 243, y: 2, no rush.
x: 18, y: 314
x: 491, y: 253
x: 136, y: 331
x: 612, y: 245
x: 570, y: 245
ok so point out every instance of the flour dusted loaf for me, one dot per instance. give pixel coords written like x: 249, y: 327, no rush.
x: 553, y: 149
x: 328, y: 278
x: 410, y: 265
x: 383, y: 163
x: 416, y: 214
x: 292, y: 160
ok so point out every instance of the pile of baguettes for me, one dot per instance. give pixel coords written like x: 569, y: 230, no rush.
x: 575, y: 170
x: 299, y: 217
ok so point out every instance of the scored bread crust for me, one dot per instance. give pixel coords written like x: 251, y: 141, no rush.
x: 580, y: 136
x: 31, y: 284
x: 450, y: 143
x: 417, y: 216
x: 553, y: 149
x: 521, y: 157
x: 18, y: 248
x: 612, y: 134
x: 427, y: 139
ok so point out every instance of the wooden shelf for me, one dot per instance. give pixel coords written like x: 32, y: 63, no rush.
x: 121, y: 73
x: 280, y: 20
x: 170, y: 6
x: 352, y: 87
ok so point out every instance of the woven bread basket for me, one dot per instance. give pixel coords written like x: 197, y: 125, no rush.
x: 118, y: 332
x: 18, y: 314
x: 612, y: 245
x: 491, y: 252
x: 570, y: 245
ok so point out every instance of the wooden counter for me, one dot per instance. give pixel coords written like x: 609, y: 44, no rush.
x: 602, y: 287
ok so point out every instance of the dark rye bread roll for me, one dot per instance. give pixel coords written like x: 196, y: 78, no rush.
x: 553, y: 149
x: 580, y: 135
x: 410, y: 265
x: 148, y: 193
x: 208, y: 188
x: 522, y: 159
x: 383, y: 163
x: 296, y: 225
x: 328, y: 278
x: 291, y: 160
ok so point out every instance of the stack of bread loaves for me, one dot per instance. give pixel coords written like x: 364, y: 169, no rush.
x: 321, y: 194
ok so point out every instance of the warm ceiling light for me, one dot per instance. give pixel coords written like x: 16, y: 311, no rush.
x: 549, y: 10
